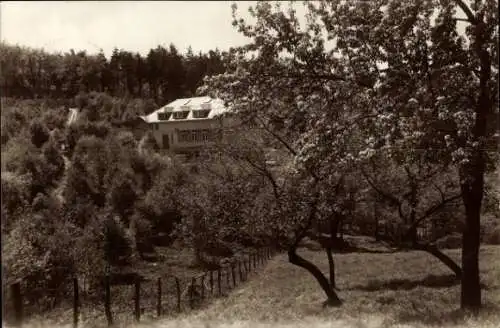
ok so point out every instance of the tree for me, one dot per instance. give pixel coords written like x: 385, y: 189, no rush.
x: 374, y: 67
x: 290, y: 205
x: 418, y: 192
x: 413, y: 112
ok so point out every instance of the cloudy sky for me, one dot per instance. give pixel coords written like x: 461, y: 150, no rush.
x: 131, y: 25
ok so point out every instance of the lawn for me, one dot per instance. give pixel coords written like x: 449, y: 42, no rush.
x: 404, y: 289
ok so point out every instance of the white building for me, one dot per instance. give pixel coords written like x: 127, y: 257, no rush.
x: 187, y: 124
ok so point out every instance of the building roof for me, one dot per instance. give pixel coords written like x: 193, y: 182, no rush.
x: 72, y: 116
x: 216, y: 107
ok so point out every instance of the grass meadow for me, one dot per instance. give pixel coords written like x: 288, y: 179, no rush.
x: 404, y: 289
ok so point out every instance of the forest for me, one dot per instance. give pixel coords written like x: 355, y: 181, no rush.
x: 64, y: 185
x: 405, y: 153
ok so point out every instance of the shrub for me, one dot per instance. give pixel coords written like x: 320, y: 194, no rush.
x: 493, y: 237
x: 39, y: 133
x: 451, y: 241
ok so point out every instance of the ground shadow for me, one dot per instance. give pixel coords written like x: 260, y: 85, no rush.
x: 453, y: 317
x: 433, y: 281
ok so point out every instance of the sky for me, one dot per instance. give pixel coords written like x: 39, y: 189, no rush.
x: 136, y: 26
x: 129, y: 25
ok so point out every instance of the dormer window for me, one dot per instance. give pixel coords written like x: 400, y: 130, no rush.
x: 200, y: 113
x: 164, y: 116
x: 181, y: 115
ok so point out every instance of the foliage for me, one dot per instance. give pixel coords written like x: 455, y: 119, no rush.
x: 163, y: 75
x: 39, y: 133
x: 360, y: 79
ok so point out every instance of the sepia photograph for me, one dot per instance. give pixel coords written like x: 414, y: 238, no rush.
x: 241, y: 164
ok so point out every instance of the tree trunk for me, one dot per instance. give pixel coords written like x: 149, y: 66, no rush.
x: 471, y: 289
x: 331, y: 266
x: 472, y: 177
x: 433, y: 250
x: 332, y: 298
x: 334, y: 228
x: 375, y: 216
x: 414, y: 237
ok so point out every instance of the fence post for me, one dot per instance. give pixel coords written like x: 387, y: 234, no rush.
x: 18, y: 303
x: 158, y: 306
x: 211, y: 282
x: 254, y: 261
x: 137, y: 299
x: 178, y: 289
x: 203, y: 287
x: 191, y: 292
x: 239, y: 271
x: 107, y: 300
x: 247, y: 268
x: 76, y: 302
x: 219, y: 278
x: 228, y: 273
x: 234, y: 275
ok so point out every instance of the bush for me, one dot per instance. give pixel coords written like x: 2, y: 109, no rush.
x: 450, y: 241
x: 493, y: 237
x: 490, y: 229
x: 310, y: 244
x: 39, y: 133
x: 15, y: 192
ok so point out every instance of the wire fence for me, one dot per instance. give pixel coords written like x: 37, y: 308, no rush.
x: 108, y: 303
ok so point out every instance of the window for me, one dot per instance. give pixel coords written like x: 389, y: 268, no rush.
x: 196, y: 136
x: 155, y: 126
x: 200, y: 113
x: 181, y: 115
x: 166, y: 141
x: 164, y: 116
x: 206, y: 106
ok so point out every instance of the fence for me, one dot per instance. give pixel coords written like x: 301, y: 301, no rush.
x: 165, y: 295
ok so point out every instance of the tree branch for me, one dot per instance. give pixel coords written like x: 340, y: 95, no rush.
x: 467, y: 12
x: 439, y: 190
x: 433, y: 250
x: 462, y: 20
x: 278, y: 137
x: 387, y: 196
x: 391, y: 198
x: 429, y: 212
x: 317, y: 76
x: 267, y: 174
x: 286, y: 144
x: 301, y: 232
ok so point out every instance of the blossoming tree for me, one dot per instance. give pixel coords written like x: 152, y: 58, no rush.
x: 400, y: 72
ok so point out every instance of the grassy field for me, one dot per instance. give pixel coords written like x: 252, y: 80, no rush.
x: 406, y: 289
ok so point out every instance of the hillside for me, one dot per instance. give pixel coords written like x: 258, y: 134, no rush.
x: 409, y: 289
